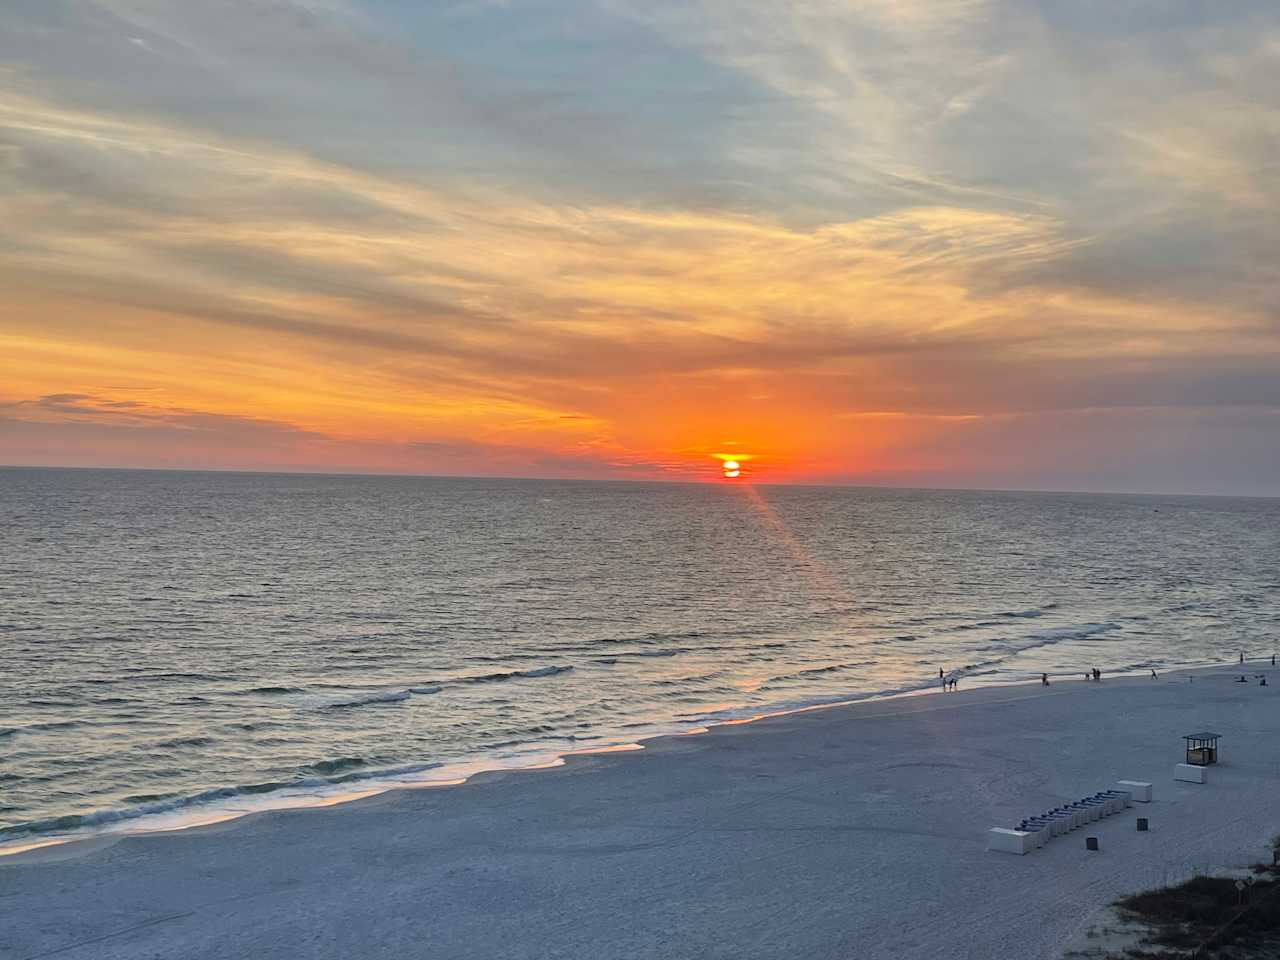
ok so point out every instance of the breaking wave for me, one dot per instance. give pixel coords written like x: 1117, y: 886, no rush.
x: 550, y: 671
x: 388, y: 696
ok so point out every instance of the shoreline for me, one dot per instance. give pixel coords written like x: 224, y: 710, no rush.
x: 198, y: 815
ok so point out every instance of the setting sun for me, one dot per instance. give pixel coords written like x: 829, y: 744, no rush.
x: 731, y: 464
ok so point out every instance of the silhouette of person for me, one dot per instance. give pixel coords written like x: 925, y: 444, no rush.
x: 1044, y: 679
x: 1153, y: 674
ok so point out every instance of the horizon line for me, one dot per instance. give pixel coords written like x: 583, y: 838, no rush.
x: 715, y: 481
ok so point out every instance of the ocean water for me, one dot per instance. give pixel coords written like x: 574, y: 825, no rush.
x: 177, y: 646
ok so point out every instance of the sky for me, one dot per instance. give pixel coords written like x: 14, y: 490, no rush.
x: 986, y: 243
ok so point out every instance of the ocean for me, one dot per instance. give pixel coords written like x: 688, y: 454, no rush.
x: 177, y: 646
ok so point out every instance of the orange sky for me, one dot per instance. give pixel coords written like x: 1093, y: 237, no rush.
x: 937, y: 244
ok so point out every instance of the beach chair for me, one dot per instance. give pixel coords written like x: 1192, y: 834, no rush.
x: 1109, y: 803
x: 1078, y: 817
x: 1064, y: 820
x: 1094, y: 807
x: 1123, y: 797
x: 1041, y: 826
x: 1040, y: 829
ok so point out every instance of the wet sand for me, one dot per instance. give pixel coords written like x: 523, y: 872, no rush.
x: 856, y: 831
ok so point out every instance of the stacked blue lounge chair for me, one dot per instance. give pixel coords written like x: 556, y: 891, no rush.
x: 1068, y: 817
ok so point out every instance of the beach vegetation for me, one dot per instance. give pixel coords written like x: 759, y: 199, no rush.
x: 1206, y: 918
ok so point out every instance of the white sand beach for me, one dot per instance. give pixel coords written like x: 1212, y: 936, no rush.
x: 852, y: 832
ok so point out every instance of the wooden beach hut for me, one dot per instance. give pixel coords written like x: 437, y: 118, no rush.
x: 1202, y: 748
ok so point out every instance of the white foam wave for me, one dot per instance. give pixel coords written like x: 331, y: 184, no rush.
x: 387, y: 696
x: 516, y: 674
x: 543, y: 671
x: 235, y: 801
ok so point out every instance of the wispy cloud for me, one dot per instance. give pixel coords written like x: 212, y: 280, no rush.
x: 621, y: 232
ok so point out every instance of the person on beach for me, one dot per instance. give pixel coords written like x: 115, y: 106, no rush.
x: 1153, y: 674
x: 1242, y: 657
x: 1044, y: 679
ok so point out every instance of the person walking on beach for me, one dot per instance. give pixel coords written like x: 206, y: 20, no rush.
x: 1153, y: 674
x: 1044, y: 679
x: 1242, y: 656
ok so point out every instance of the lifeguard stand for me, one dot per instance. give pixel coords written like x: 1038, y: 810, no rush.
x: 1202, y: 748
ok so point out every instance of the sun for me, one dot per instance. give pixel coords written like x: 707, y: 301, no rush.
x: 731, y: 464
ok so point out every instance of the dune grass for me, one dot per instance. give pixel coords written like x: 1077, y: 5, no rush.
x: 1207, y: 918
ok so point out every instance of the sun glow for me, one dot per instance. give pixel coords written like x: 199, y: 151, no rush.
x: 731, y: 464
